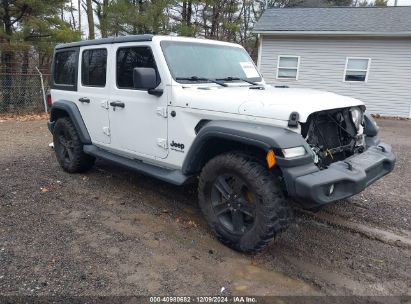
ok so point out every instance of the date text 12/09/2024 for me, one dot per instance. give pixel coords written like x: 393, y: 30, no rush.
x: 204, y: 299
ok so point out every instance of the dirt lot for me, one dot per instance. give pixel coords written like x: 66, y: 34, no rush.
x: 115, y: 232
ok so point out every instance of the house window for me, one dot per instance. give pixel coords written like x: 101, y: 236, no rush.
x: 356, y: 69
x: 287, y: 67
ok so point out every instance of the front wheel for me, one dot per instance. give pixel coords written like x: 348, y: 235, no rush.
x: 242, y: 202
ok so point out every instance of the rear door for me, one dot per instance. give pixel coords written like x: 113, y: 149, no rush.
x: 93, y: 92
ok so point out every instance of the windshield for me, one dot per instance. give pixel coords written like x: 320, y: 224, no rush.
x: 190, y: 62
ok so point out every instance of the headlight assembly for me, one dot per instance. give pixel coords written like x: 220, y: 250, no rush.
x: 357, y: 116
x: 294, y: 152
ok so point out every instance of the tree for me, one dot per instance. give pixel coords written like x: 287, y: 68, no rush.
x: 90, y: 19
x: 380, y: 2
x: 102, y: 15
x: 125, y: 17
x: 370, y: 3
x: 29, y: 26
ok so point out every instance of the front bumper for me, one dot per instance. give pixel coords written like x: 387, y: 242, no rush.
x: 348, y: 177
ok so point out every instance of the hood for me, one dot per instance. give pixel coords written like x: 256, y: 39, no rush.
x: 276, y: 103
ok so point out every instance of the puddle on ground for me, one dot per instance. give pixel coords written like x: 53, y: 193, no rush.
x: 249, y: 279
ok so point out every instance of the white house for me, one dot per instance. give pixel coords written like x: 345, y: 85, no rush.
x: 360, y: 52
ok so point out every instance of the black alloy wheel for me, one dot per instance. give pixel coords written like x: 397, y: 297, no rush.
x: 233, y: 203
x: 65, y: 147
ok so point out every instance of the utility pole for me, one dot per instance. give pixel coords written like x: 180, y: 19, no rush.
x: 396, y: 3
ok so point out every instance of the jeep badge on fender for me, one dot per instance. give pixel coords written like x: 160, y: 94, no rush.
x: 250, y: 144
x: 177, y: 145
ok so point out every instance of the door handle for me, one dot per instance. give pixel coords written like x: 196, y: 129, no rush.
x: 117, y: 104
x: 84, y: 99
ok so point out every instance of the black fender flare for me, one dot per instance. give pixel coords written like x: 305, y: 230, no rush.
x: 260, y: 136
x: 370, y: 126
x: 73, y: 113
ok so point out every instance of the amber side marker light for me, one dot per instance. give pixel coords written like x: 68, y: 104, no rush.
x: 270, y: 158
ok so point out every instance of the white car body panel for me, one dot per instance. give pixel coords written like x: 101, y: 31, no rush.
x: 274, y: 103
x: 136, y: 129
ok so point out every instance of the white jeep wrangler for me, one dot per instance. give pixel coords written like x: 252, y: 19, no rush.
x: 179, y: 108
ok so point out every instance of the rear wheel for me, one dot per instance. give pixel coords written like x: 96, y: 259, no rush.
x: 242, y: 202
x: 68, y: 147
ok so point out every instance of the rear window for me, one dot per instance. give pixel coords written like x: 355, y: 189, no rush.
x: 93, y: 67
x: 65, y: 68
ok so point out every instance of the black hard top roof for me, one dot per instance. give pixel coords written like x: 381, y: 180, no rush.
x: 130, y: 38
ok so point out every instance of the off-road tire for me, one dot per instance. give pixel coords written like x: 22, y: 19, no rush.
x: 76, y: 161
x: 272, y: 213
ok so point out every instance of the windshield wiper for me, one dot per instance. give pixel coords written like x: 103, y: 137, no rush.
x: 237, y: 78
x: 196, y: 78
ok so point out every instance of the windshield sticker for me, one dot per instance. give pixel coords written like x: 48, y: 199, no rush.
x: 249, y: 70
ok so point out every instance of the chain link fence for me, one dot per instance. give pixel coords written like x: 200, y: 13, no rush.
x: 24, y: 81
x: 22, y: 93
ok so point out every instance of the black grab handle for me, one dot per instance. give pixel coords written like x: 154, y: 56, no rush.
x: 84, y: 99
x: 117, y: 104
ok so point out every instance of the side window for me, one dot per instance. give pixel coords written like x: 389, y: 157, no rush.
x: 129, y: 58
x: 287, y: 67
x: 357, y: 69
x: 93, y: 67
x: 65, y: 68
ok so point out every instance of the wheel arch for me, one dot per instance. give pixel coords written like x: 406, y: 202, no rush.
x: 217, y: 137
x: 65, y: 108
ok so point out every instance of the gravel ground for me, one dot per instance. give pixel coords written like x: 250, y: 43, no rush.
x: 115, y: 232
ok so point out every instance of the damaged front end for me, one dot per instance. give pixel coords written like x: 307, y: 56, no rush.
x: 335, y: 135
x: 347, y: 157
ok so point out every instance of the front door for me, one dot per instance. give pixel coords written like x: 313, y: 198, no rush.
x: 93, y: 91
x: 138, y: 120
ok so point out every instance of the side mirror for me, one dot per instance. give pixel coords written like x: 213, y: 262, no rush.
x: 146, y: 79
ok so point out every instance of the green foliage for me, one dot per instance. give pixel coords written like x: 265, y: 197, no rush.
x: 284, y: 3
x: 380, y: 2
x: 34, y: 23
x: 370, y: 3
x: 186, y: 30
x: 137, y: 17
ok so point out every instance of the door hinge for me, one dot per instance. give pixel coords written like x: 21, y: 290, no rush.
x: 106, y: 130
x: 162, y: 111
x: 162, y: 142
x: 104, y: 104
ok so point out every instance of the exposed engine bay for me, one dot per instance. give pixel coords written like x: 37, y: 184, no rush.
x: 334, y: 135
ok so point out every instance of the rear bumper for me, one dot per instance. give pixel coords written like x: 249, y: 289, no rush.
x: 313, y: 187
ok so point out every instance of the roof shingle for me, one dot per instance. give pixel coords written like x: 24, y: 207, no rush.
x: 336, y: 19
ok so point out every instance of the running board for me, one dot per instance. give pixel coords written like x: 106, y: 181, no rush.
x: 175, y: 177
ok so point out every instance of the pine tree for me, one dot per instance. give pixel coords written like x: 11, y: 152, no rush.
x: 29, y: 26
x: 90, y: 19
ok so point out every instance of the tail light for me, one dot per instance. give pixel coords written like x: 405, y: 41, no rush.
x: 49, y: 100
